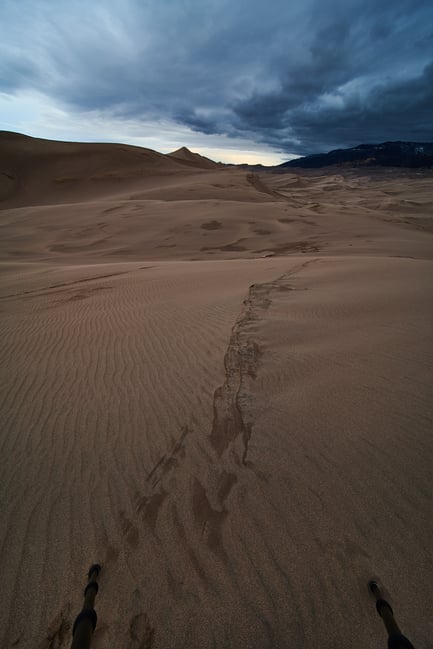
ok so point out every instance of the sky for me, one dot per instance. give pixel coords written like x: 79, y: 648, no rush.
x: 236, y: 80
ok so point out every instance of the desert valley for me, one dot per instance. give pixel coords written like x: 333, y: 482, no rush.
x: 217, y: 383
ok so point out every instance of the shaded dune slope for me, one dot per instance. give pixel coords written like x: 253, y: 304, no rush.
x: 34, y: 171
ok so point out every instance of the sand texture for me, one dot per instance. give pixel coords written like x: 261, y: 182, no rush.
x: 217, y: 384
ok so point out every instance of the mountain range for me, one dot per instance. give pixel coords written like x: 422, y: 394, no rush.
x: 387, y: 154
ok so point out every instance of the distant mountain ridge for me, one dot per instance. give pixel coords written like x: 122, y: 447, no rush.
x: 387, y: 154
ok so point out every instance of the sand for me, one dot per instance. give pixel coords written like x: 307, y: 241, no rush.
x: 217, y: 384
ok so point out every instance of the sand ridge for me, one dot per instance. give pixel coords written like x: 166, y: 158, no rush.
x: 225, y: 399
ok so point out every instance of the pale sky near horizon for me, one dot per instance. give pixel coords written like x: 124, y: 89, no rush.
x: 30, y: 115
x: 236, y: 80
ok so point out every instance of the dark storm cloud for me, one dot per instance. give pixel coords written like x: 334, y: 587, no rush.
x: 300, y: 77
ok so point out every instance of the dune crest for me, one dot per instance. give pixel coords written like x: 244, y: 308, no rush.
x: 194, y: 159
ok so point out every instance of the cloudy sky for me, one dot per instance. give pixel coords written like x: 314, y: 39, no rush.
x: 238, y: 80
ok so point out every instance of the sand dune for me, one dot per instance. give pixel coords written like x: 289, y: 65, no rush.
x: 39, y: 172
x: 224, y: 398
x: 195, y: 159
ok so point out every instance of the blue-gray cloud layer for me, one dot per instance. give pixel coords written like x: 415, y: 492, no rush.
x: 299, y: 76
